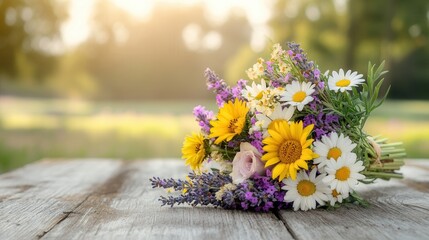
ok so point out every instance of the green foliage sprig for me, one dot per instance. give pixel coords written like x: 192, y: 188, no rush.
x: 354, y: 108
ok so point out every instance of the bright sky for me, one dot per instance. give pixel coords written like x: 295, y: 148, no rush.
x: 77, y: 28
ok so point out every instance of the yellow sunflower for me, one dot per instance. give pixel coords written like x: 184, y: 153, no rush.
x: 193, y: 151
x: 287, y: 147
x: 230, y: 121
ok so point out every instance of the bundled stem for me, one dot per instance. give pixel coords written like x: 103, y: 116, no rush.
x: 385, y: 162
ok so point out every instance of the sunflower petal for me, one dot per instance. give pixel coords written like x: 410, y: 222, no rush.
x: 302, y: 164
x: 272, y: 161
x: 292, y: 172
x: 278, y: 169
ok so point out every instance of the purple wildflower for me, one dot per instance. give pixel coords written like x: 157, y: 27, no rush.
x: 269, y: 68
x: 261, y: 193
x: 323, y: 123
x: 308, y: 68
x: 203, y: 117
x: 249, y: 197
x: 236, y: 91
x: 256, y: 140
x: 200, y: 190
x: 224, y: 93
x: 233, y: 144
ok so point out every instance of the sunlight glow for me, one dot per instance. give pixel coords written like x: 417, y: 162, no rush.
x: 76, y: 29
x: 212, y: 40
x: 196, y: 40
x: 191, y: 35
x: 140, y: 9
x: 312, y: 12
x: 340, y: 5
x: 258, y: 12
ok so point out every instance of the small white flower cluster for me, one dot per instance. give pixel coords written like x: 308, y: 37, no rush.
x: 261, y: 98
x: 257, y: 70
x: 276, y: 57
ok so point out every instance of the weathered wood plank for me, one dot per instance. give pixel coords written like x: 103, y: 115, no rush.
x: 35, y: 198
x: 126, y: 207
x: 96, y: 199
x: 398, y: 209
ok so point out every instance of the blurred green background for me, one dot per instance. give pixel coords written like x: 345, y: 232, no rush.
x: 119, y: 78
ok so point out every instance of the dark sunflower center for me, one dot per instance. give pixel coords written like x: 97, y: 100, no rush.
x: 197, y: 148
x: 232, y: 125
x: 290, y: 151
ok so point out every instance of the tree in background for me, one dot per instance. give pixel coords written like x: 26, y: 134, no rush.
x: 127, y: 58
x: 28, y: 29
x: 350, y: 35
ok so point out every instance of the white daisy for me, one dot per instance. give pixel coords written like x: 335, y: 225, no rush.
x: 343, y: 174
x: 332, y: 147
x: 343, y: 82
x: 335, y: 197
x: 279, y: 114
x: 255, y: 91
x: 298, y: 94
x: 306, y: 190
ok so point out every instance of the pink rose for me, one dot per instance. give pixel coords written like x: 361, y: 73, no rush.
x: 246, y: 163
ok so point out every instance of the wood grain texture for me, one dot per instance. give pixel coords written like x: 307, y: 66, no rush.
x: 130, y: 210
x: 37, y: 197
x: 99, y: 199
x: 399, y: 209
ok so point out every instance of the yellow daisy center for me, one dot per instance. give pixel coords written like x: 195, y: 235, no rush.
x: 290, y: 151
x: 343, y: 83
x: 343, y: 173
x: 335, y: 193
x: 306, y: 188
x: 299, y: 96
x: 334, y: 153
x: 259, y: 96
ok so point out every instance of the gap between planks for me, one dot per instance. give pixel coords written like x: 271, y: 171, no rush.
x: 36, y: 197
x: 66, y: 214
x: 416, y: 178
x: 113, y: 184
x: 134, y: 213
x: 110, y: 186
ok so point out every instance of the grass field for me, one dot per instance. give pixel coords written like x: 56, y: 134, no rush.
x: 34, y: 129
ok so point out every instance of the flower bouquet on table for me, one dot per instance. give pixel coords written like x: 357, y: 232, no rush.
x: 290, y: 137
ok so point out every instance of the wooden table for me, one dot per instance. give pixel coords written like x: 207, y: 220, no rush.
x: 107, y: 199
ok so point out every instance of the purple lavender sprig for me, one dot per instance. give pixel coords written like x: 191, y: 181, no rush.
x: 324, y: 123
x: 261, y: 193
x: 203, y: 117
x: 256, y: 136
x: 308, y: 68
x: 279, y: 80
x: 224, y: 93
x: 199, y: 190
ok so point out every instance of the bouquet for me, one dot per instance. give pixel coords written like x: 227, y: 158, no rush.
x: 290, y: 137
